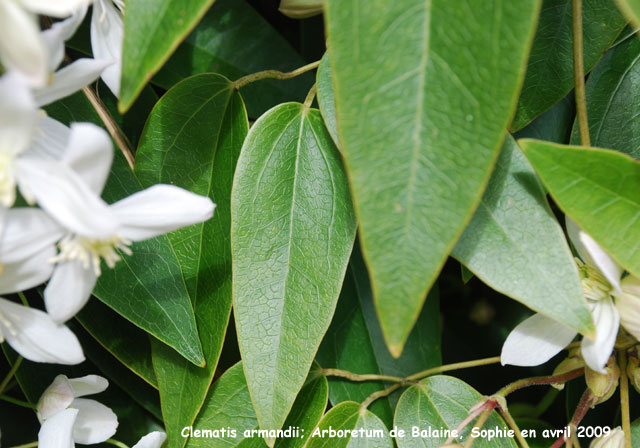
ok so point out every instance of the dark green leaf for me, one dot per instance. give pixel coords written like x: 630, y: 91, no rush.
x: 554, y: 125
x: 421, y: 131
x: 293, y: 228
x: 326, y: 99
x: 550, y: 68
x: 631, y: 9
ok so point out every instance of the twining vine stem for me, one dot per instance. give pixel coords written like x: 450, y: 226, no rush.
x: 578, y: 75
x: 273, y: 74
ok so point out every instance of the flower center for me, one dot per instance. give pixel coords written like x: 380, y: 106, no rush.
x: 594, y: 285
x: 7, y: 180
x: 90, y: 251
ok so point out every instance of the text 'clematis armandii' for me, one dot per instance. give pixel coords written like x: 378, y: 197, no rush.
x: 539, y: 338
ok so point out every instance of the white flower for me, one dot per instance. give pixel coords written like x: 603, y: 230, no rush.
x: 614, y: 439
x: 154, y: 439
x: 539, y: 338
x: 67, y: 419
x: 21, y: 45
x: 107, y: 34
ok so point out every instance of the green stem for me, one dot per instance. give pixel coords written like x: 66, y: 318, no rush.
x: 23, y: 298
x: 356, y: 377
x: 455, y: 366
x: 513, y: 425
x: 624, y: 398
x: 310, y: 96
x: 578, y: 75
x: 15, y: 401
x: 26, y: 445
x: 380, y: 394
x: 546, y: 401
x: 539, y: 380
x: 273, y: 74
x: 116, y: 443
x: 479, y: 423
x: 12, y: 372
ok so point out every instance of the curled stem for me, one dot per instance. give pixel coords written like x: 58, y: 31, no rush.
x: 578, y: 75
x: 624, y: 398
x: 273, y: 74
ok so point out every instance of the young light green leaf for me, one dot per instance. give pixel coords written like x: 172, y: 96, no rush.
x: 550, y: 68
x: 248, y: 46
x: 326, y: 99
x: 152, y: 31
x: 612, y: 100
x: 598, y: 188
x: 360, y: 430
x: 631, y: 9
x: 441, y: 403
x: 421, y: 132
x: 193, y: 139
x: 292, y: 231
x: 515, y: 244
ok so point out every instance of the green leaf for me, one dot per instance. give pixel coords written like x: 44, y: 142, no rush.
x: 442, y: 403
x: 631, y: 9
x: 354, y: 343
x: 346, y: 417
x: 554, y: 125
x: 234, y: 40
x: 550, y: 68
x: 152, y: 31
x: 612, y: 100
x: 193, y: 139
x: 326, y: 99
x: 228, y: 405
x: 292, y: 231
x: 598, y: 188
x: 515, y: 245
x: 421, y: 132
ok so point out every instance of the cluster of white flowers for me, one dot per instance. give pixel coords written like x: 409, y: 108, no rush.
x: 67, y: 229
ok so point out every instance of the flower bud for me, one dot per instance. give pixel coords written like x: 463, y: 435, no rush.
x: 572, y: 362
x: 300, y: 9
x: 633, y: 371
x: 615, y: 439
x: 603, y: 385
x: 628, y: 304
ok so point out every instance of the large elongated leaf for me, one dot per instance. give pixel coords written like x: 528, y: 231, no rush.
x: 440, y: 403
x: 193, y: 140
x: 234, y: 40
x: 354, y: 343
x: 631, y: 9
x: 515, y: 245
x: 152, y: 31
x: 598, y: 188
x: 293, y: 228
x: 421, y: 132
x: 146, y: 288
x: 550, y: 68
x: 612, y: 100
x: 326, y: 98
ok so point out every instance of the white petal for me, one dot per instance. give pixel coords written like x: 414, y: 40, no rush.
x: 27, y: 232
x: 628, y: 305
x: 21, y: 47
x: 95, y: 423
x: 89, y: 153
x: 50, y: 139
x: 55, y: 398
x: 154, y: 439
x: 55, y: 8
x: 535, y: 341
x: 57, y: 432
x: 26, y: 274
x: 596, y: 352
x: 88, y: 385
x: 70, y: 79
x: 34, y: 335
x: 18, y: 112
x: 160, y: 209
x: 68, y: 290
x: 107, y: 34
x: 55, y: 37
x: 61, y: 192
x: 631, y: 285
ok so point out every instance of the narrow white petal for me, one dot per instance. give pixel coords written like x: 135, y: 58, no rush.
x: 28, y: 273
x: 596, y: 352
x: 55, y: 398
x: 95, y: 423
x: 55, y: 37
x: 57, y: 432
x: 628, y: 305
x: 50, y: 139
x: 89, y: 153
x: 70, y: 79
x: 55, y: 8
x: 34, y: 335
x: 535, y: 341
x: 18, y: 112
x: 27, y: 232
x: 88, y: 385
x: 68, y: 290
x: 154, y: 439
x: 63, y: 194
x: 107, y: 34
x: 21, y: 47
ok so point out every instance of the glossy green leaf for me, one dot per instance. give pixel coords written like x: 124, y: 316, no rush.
x: 234, y: 40
x: 152, y: 31
x: 635, y: 433
x: 441, y: 403
x: 228, y: 405
x: 550, y: 68
x: 146, y: 288
x: 612, y: 100
x: 193, y: 140
x: 361, y: 431
x: 554, y: 125
x: 292, y: 231
x: 515, y: 244
x: 598, y: 188
x: 631, y: 9
x: 354, y: 343
x: 326, y: 99
x: 421, y: 132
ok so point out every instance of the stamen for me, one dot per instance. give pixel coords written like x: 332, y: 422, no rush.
x: 595, y: 286
x: 90, y: 251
